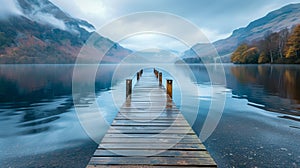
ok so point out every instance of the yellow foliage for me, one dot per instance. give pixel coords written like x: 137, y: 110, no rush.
x: 293, y: 45
x: 263, y: 58
x: 245, y: 55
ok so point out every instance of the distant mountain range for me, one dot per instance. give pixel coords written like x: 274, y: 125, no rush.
x: 42, y: 33
x: 285, y: 17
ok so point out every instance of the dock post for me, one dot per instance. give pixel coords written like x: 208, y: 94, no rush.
x: 141, y: 71
x: 128, y: 87
x: 160, y: 79
x: 169, y: 87
x: 138, y: 76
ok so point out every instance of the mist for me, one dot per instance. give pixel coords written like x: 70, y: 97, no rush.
x: 49, y: 19
x: 8, y: 7
x: 11, y: 7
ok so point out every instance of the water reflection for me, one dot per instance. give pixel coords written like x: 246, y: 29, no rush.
x: 37, y: 113
x: 260, y: 123
x: 36, y: 102
x: 273, y: 88
x: 30, y: 83
x: 41, y: 91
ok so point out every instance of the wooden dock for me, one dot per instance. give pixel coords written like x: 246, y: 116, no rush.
x: 150, y: 131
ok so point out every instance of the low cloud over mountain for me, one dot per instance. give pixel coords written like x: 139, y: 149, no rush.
x: 39, y: 32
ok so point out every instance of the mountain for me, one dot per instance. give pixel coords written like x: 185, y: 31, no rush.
x: 285, y: 17
x: 42, y: 33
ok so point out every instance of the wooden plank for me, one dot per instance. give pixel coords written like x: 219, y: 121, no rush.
x: 164, y: 131
x: 165, y: 136
x: 171, y: 117
x: 154, y: 114
x: 169, y: 122
x: 149, y: 123
x: 144, y: 166
x: 148, y: 117
x: 143, y: 100
x: 160, y: 124
x: 149, y: 140
x: 148, y: 111
x: 159, y: 153
x: 158, y: 161
x: 149, y: 127
x: 161, y: 146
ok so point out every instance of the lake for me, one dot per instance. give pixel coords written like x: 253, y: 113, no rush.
x: 259, y: 127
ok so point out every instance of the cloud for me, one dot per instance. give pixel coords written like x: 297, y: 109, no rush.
x: 154, y: 22
x: 210, y: 14
x: 213, y: 34
x: 49, y: 19
x: 149, y: 40
x: 39, y: 12
x: 217, y: 19
x: 8, y: 7
x: 93, y: 11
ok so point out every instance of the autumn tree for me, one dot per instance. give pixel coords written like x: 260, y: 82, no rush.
x: 293, y: 44
x: 245, y: 54
x: 274, y: 47
x: 250, y: 56
x: 237, y: 54
x: 262, y: 59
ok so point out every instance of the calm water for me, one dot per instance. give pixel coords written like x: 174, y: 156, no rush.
x: 260, y: 125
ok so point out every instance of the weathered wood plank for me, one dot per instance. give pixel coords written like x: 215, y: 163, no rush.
x: 149, y: 140
x: 158, y: 161
x: 162, y: 146
x: 149, y: 127
x: 145, y: 166
x: 166, y: 124
x: 148, y: 117
x: 153, y: 117
x: 158, y: 153
x: 166, y: 131
x: 148, y: 111
x: 157, y: 114
x: 165, y: 136
x: 151, y: 121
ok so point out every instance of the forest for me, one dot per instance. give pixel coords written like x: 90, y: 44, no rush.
x: 274, y: 47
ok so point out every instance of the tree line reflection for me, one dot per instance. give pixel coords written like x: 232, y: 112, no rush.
x: 274, y: 86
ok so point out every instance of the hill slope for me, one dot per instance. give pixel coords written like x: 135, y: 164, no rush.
x: 42, y: 33
x: 285, y: 17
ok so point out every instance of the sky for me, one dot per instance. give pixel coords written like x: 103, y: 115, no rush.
x: 215, y: 18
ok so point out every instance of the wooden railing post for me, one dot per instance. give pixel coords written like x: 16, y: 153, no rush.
x: 169, y: 87
x: 138, y: 76
x: 155, y: 72
x: 141, y: 72
x: 128, y: 87
x: 160, y: 79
